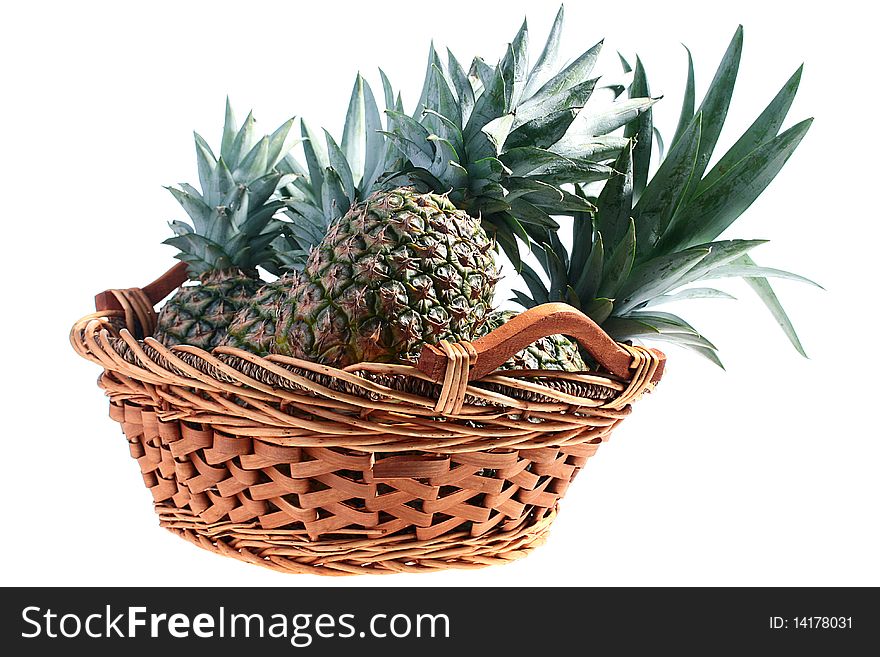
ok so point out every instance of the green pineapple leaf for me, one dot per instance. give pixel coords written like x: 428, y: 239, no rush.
x: 595, y: 148
x: 762, y: 288
x: 716, y: 103
x: 317, y: 160
x: 519, y: 64
x: 544, y: 131
x: 670, y: 324
x: 333, y: 195
x: 722, y: 253
x: 354, y: 133
x: 529, y: 214
x: 655, y: 208
x: 615, y: 202
x: 573, y: 74
x: 205, y: 160
x: 687, y: 103
x: 244, y: 140
x: 483, y: 72
x: 546, y: 61
x: 557, y: 267
x: 442, y: 115
x: 583, y: 235
x: 497, y: 131
x: 591, y: 276
x: 538, y: 106
x: 464, y: 92
x: 229, y: 132
x: 446, y: 162
x: 547, y: 197
x: 195, y: 207
x: 262, y: 188
x: 657, y: 276
x: 339, y: 164
x: 765, y: 127
x: 388, y: 92
x: 616, y: 116
x: 535, y: 284
x: 642, y: 130
x: 492, y: 103
x: 279, y: 144
x: 433, y: 60
x: 419, y: 150
x: 753, y: 271
x: 706, y: 216
x: 220, y: 186
x: 254, y: 163
x: 687, y: 294
x: 599, y: 310
x: 661, y: 145
x: 619, y: 266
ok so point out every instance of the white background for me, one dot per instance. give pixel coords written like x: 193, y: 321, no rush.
x: 764, y: 475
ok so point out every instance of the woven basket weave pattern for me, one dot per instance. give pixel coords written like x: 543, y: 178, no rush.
x: 304, y: 468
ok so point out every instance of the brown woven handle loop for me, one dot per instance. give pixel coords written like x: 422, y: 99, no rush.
x: 154, y: 292
x: 494, y: 349
x: 137, y: 303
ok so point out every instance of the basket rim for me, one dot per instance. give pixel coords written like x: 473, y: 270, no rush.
x: 96, y: 340
x: 366, y: 406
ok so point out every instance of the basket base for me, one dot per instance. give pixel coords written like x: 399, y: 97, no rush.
x: 283, y: 552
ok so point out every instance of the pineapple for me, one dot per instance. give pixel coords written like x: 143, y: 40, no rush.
x: 314, y: 196
x: 651, y: 239
x: 232, y: 227
x: 555, y: 352
x: 253, y: 326
x: 397, y: 270
x: 485, y: 154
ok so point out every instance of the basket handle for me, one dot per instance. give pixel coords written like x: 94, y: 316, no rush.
x: 154, y: 292
x: 519, y: 332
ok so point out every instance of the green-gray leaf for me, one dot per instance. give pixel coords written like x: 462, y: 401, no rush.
x: 354, y: 134
x: 543, y: 68
x: 619, y: 266
x: 753, y: 271
x: 655, y: 209
x: 657, y: 276
x: 765, y: 292
x: 642, y: 129
x: 765, y: 127
x: 575, y: 73
x: 687, y: 103
x: 687, y: 294
x: 706, y: 216
x: 614, y: 205
x: 618, y: 114
x: 717, y: 101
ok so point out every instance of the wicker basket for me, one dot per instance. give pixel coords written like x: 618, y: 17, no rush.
x: 375, y: 468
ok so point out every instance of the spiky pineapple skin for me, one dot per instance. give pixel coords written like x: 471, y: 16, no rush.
x: 395, y: 272
x: 253, y: 327
x: 199, y: 315
x: 555, y: 352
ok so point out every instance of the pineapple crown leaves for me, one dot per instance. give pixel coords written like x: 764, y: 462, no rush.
x: 235, y: 237
x: 653, y: 236
x: 502, y: 140
x: 232, y: 215
x: 336, y: 175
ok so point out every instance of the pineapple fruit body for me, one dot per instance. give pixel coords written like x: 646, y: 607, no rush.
x: 199, y: 315
x: 253, y: 327
x: 395, y: 272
